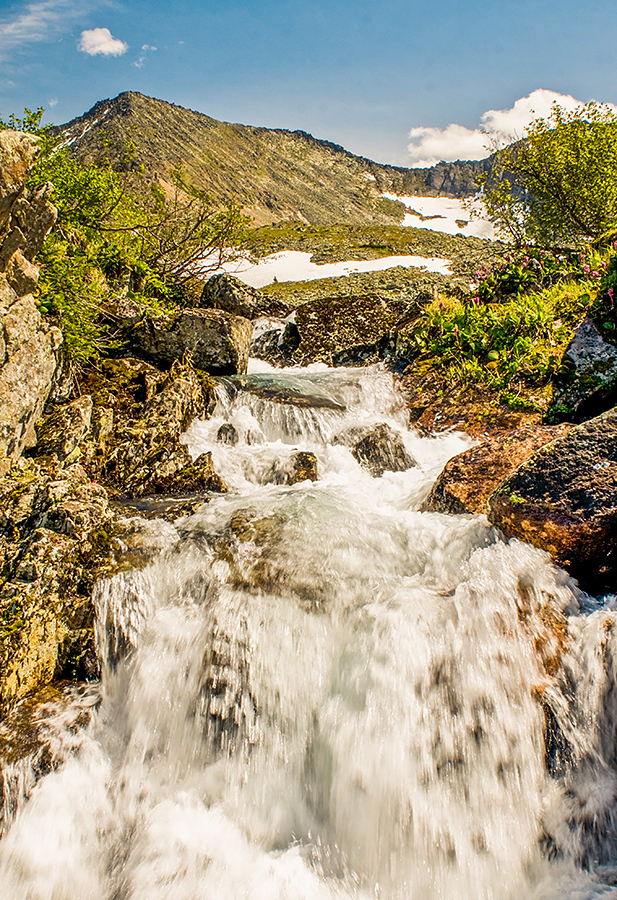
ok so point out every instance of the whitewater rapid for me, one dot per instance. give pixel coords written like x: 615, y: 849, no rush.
x: 315, y: 691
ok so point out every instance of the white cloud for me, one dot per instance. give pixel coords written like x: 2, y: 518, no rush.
x: 498, y: 126
x: 39, y: 21
x: 53, y: 102
x: 100, y: 42
x: 145, y: 49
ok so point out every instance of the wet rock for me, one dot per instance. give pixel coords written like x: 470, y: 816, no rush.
x: 468, y: 479
x: 592, y: 373
x: 232, y: 295
x: 211, y: 340
x: 382, y: 450
x: 303, y: 467
x: 40, y: 734
x: 227, y: 434
x: 300, y: 466
x: 278, y: 345
x: 258, y: 554
x: 564, y: 500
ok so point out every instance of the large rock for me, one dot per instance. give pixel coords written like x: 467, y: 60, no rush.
x: 209, y: 339
x: 346, y: 331
x: 591, y: 364
x: 564, y: 499
x: 468, y: 479
x: 232, y: 295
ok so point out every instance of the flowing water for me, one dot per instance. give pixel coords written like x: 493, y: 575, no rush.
x: 316, y: 692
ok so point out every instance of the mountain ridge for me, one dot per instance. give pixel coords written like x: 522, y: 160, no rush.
x: 274, y: 174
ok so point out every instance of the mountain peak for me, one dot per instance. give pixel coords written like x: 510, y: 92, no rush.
x: 274, y: 174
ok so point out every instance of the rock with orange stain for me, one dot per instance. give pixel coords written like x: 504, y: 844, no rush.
x: 564, y: 500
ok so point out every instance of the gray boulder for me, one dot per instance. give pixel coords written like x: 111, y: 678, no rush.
x: 232, y: 295
x: 209, y: 339
x: 592, y: 364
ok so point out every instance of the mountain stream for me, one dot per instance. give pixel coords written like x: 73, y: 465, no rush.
x: 315, y: 691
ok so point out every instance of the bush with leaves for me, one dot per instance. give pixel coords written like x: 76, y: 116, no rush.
x: 530, y: 269
x: 518, y: 343
x: 557, y: 187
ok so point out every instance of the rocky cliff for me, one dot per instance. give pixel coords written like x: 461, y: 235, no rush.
x: 27, y: 345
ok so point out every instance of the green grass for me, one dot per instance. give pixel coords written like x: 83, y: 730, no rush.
x: 510, y: 347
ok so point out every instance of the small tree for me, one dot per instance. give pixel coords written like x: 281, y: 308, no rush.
x: 558, y: 186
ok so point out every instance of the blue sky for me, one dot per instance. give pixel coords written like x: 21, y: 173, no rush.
x: 362, y: 74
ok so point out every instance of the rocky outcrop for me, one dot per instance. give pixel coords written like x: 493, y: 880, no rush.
x: 382, y: 450
x: 139, y: 415
x: 54, y: 526
x: 468, y: 479
x: 591, y: 374
x: 232, y: 295
x: 563, y: 499
x: 209, y: 339
x: 27, y: 345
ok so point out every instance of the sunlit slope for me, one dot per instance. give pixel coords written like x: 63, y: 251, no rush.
x: 274, y: 174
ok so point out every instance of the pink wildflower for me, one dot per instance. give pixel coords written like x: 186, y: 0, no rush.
x: 586, y: 268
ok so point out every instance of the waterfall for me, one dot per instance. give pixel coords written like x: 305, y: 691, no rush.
x: 314, y: 691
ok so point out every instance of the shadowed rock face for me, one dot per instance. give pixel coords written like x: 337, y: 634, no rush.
x: 468, y: 479
x: 27, y: 345
x: 382, y: 450
x: 564, y: 499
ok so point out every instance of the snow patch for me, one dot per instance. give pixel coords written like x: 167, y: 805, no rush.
x: 296, y: 265
x: 446, y: 214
